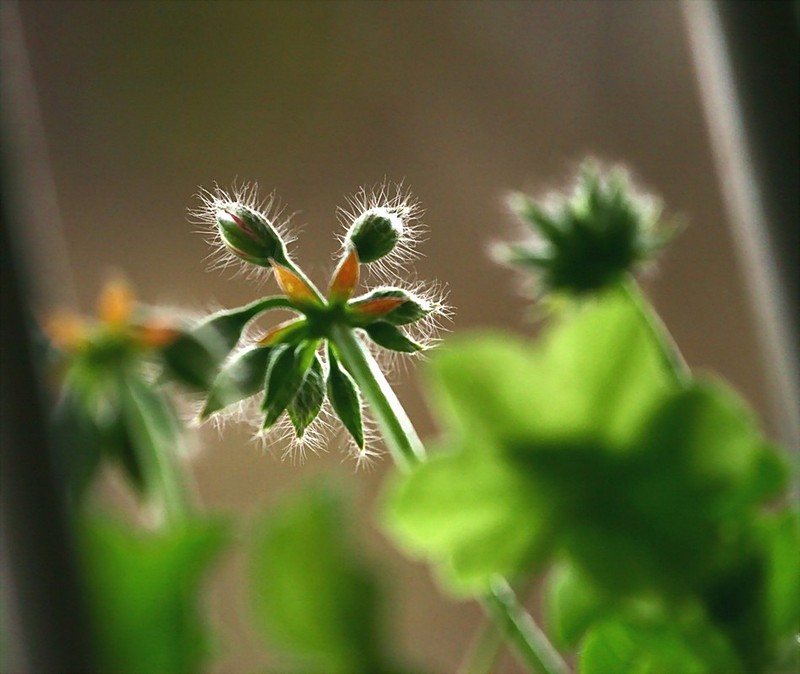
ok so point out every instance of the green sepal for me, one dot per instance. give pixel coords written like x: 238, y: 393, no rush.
x: 390, y: 337
x: 194, y: 358
x: 240, y: 378
x: 345, y: 399
x: 149, y: 425
x: 284, y: 378
x: 308, y: 401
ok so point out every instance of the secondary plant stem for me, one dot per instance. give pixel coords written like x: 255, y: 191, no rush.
x: 521, y: 631
x: 528, y: 640
x: 673, y: 359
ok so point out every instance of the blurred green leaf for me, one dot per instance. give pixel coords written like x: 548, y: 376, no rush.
x: 240, y: 378
x: 592, y: 375
x: 583, y: 445
x: 344, y: 398
x: 310, y: 592
x: 782, y: 539
x: 474, y: 515
x: 573, y: 603
x: 144, y: 591
x: 648, y: 648
x: 305, y: 406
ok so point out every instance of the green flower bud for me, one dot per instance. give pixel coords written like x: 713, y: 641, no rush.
x: 375, y: 233
x: 392, y: 305
x: 591, y: 238
x: 249, y: 235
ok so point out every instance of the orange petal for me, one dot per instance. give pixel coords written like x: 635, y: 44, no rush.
x: 116, y: 302
x: 155, y: 335
x: 345, y: 278
x: 296, y: 289
x: 67, y: 330
x: 378, y: 307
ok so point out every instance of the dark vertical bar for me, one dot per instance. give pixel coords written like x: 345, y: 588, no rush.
x: 41, y: 569
x: 762, y: 39
x: 43, y: 610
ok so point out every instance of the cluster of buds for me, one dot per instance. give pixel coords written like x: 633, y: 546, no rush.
x: 296, y: 366
x: 108, y: 409
x: 589, y: 239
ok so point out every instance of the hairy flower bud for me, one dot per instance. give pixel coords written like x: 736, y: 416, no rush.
x: 393, y: 305
x: 249, y: 235
x: 375, y: 233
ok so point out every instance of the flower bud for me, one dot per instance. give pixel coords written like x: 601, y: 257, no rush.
x: 375, y: 233
x: 392, y: 305
x: 249, y: 235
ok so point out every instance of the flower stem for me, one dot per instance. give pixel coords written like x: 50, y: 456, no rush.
x: 516, y: 625
x: 671, y: 356
x: 530, y: 642
x: 398, y: 431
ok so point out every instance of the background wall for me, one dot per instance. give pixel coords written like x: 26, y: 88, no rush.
x: 145, y: 101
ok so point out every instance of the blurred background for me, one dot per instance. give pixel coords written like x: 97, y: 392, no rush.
x: 142, y: 103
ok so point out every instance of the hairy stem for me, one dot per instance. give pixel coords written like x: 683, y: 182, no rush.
x: 397, y: 429
x: 519, y: 629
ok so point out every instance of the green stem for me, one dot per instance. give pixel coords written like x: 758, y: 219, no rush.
x: 530, y: 643
x: 520, y: 630
x: 398, y: 431
x: 483, y: 650
x: 671, y: 356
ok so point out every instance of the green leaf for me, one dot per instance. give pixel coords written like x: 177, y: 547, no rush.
x: 149, y: 426
x: 390, y: 337
x: 345, y: 400
x: 240, y: 378
x: 311, y: 594
x: 582, y: 443
x: 143, y: 590
x: 474, y: 515
x: 593, y: 374
x: 195, y: 357
x: 78, y: 444
x: 305, y: 406
x: 655, y: 647
x: 573, y: 604
x: 781, y: 536
x: 287, y: 368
